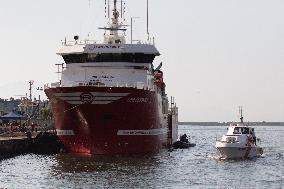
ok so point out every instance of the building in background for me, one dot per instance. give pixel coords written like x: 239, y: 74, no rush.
x: 23, y: 106
x: 8, y: 105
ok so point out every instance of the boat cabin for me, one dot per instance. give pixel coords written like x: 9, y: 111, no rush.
x: 238, y: 134
x: 239, y: 130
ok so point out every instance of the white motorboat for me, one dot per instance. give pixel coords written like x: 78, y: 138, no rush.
x: 239, y: 142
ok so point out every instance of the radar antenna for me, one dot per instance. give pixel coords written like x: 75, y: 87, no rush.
x: 241, y: 114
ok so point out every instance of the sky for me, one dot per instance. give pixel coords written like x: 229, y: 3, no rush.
x: 217, y: 54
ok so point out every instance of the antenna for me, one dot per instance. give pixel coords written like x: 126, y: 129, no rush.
x: 121, y: 9
x: 114, y: 5
x: 115, y: 13
x: 241, y: 114
x: 105, y: 8
x: 148, y: 19
x: 108, y: 8
x: 131, y: 28
x: 31, y: 82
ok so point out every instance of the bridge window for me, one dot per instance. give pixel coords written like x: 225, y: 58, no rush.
x: 109, y: 57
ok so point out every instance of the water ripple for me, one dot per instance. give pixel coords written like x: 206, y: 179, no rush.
x: 198, y: 167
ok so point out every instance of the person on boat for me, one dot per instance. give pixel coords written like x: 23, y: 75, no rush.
x: 253, y: 136
x: 183, y: 138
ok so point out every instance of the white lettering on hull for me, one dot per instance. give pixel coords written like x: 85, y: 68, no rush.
x: 152, y: 132
x: 138, y: 100
x: 65, y: 132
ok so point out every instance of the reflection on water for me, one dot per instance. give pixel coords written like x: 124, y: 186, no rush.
x: 189, y: 168
x: 108, y: 171
x: 79, y: 163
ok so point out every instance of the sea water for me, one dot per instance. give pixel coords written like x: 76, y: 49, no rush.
x: 197, y: 167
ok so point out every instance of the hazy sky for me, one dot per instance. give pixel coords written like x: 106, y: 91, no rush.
x: 217, y: 54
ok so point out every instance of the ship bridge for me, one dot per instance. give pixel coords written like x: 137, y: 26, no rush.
x: 108, y: 65
x: 135, y: 53
x: 112, y: 63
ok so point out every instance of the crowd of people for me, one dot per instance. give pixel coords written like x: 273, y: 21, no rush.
x: 15, y: 126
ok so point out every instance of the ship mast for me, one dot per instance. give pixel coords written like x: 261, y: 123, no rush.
x: 115, y: 14
x: 114, y: 37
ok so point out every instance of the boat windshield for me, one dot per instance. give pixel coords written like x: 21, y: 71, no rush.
x: 241, y: 130
x: 245, y: 130
x: 237, y: 130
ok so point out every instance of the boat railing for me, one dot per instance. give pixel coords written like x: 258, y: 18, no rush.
x: 137, y: 85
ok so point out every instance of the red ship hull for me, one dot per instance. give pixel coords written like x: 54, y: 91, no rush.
x: 105, y: 120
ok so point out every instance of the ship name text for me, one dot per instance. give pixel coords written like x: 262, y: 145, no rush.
x: 137, y: 100
x: 104, y: 47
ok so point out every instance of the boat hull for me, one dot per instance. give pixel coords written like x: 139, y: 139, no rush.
x: 239, y: 152
x: 106, y: 120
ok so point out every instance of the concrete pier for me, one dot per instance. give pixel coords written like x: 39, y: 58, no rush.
x: 11, y: 146
x: 20, y: 143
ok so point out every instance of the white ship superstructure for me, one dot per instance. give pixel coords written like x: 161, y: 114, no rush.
x: 110, y: 92
x: 109, y: 65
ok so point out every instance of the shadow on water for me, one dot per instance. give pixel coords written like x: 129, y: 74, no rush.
x: 78, y: 163
x: 118, y: 171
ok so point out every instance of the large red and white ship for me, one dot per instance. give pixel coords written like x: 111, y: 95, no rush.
x: 110, y: 99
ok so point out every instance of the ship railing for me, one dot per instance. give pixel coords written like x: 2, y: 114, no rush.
x: 139, y: 42
x: 138, y: 85
x: 90, y: 42
x: 82, y: 42
x: 51, y: 85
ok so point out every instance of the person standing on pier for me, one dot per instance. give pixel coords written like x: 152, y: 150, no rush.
x: 33, y: 127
